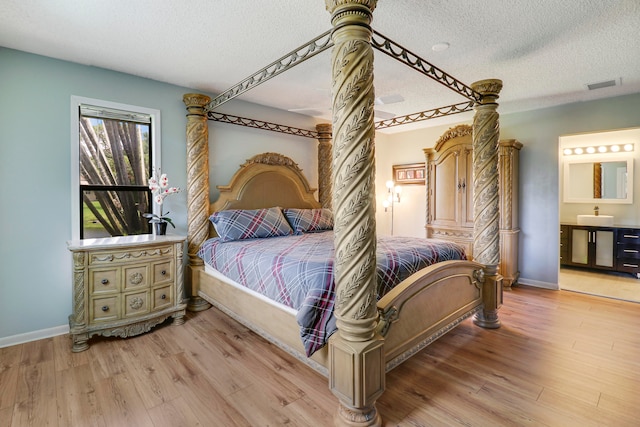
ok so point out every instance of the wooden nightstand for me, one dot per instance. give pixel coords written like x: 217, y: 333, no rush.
x: 124, y: 286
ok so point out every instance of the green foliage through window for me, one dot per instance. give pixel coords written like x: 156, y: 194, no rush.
x: 115, y: 150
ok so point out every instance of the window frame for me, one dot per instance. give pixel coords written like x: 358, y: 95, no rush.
x: 155, y: 145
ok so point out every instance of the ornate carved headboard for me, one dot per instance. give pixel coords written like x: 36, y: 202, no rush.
x: 264, y: 181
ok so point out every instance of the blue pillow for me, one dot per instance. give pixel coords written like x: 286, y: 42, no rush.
x: 240, y: 224
x: 309, y: 220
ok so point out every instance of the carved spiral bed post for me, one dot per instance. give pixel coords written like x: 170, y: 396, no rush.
x: 325, y: 158
x: 198, y: 192
x: 356, y: 351
x: 486, y: 203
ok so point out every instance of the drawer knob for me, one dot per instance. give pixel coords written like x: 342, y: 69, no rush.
x: 163, y: 272
x: 104, y: 281
x: 163, y: 296
x: 105, y: 308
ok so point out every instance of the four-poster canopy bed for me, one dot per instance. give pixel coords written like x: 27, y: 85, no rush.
x: 374, y: 333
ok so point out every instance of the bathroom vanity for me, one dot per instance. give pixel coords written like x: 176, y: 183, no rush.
x: 610, y: 248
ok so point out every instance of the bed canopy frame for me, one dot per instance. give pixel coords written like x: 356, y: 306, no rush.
x: 346, y: 184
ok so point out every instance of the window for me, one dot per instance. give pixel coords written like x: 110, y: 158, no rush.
x: 114, y: 153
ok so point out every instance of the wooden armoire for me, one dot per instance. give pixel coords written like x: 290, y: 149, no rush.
x: 449, y: 184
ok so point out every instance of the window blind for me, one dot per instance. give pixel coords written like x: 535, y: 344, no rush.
x: 113, y: 114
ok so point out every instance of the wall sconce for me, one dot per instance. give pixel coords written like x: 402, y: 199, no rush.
x: 393, y: 197
x: 614, y: 148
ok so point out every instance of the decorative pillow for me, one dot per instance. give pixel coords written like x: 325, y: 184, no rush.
x: 237, y: 224
x: 309, y: 220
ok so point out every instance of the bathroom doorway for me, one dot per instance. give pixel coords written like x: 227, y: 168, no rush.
x: 583, y: 160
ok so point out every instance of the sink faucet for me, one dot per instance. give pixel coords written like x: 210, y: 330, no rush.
x: 596, y: 211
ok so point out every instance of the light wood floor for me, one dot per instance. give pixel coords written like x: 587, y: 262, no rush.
x: 560, y: 359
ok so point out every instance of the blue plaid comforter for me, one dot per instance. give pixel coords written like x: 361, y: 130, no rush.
x: 297, y: 271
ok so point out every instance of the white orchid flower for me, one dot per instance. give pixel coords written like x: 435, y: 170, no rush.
x: 164, y: 181
x: 160, y: 189
x: 153, y: 184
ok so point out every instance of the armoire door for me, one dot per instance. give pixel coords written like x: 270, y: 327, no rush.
x: 445, y: 197
x: 452, y: 182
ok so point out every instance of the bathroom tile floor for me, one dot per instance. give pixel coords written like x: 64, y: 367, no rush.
x: 608, y: 284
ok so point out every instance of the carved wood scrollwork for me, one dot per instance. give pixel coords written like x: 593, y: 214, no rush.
x: 79, y: 317
x: 275, y: 159
x: 479, y: 275
x: 131, y: 330
x: 325, y: 165
x: 136, y: 278
x: 136, y: 303
x: 197, y: 133
x: 486, y: 245
x: 387, y: 317
x: 454, y: 132
x: 128, y: 255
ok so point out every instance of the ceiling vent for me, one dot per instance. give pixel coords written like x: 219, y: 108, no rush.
x: 600, y: 85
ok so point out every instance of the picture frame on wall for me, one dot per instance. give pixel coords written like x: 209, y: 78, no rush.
x: 408, y: 174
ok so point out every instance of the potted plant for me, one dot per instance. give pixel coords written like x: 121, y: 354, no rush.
x: 160, y: 189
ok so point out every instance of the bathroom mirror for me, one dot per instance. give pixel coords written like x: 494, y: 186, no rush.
x: 598, y: 181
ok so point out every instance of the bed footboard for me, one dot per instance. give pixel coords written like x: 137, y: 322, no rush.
x: 427, y: 305
x: 414, y: 314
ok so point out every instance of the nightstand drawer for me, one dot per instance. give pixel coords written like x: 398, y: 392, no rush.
x: 136, y: 276
x: 162, y: 297
x: 102, y: 281
x: 136, y: 304
x: 162, y: 272
x: 105, y: 309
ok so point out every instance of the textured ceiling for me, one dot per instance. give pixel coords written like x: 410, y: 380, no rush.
x: 545, y: 51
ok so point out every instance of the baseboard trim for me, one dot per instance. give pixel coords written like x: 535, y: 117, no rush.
x: 34, y: 336
x: 538, y: 283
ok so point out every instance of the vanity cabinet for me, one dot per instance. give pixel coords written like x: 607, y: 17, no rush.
x: 449, y: 186
x: 604, y: 248
x: 123, y: 286
x: 586, y: 246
